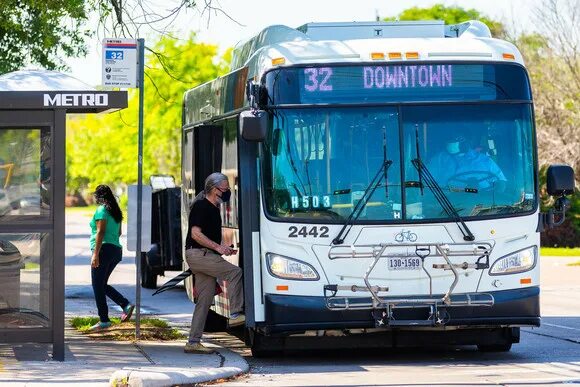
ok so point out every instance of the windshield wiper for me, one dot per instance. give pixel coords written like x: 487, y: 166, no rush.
x: 360, y: 205
x: 435, y: 188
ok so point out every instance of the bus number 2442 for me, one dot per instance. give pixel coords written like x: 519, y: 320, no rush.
x: 316, y: 232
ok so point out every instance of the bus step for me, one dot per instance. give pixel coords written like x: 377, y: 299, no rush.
x: 411, y: 323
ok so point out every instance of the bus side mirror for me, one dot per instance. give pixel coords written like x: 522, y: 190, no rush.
x: 254, y: 125
x: 560, y: 180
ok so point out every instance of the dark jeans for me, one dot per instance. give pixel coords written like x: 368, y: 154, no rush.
x: 109, y: 256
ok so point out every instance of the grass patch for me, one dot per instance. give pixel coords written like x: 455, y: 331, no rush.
x: 560, y: 251
x: 31, y: 266
x: 151, y: 329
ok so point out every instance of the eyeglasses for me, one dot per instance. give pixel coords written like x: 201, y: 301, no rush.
x: 222, y: 191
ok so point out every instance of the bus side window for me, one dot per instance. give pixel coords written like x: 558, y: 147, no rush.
x: 229, y: 167
x: 187, y: 165
x: 207, y: 145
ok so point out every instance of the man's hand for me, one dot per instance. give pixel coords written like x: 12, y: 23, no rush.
x: 225, y: 250
x: 95, y: 261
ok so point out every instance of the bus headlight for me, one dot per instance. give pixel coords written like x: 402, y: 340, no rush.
x: 289, y: 268
x: 517, y: 262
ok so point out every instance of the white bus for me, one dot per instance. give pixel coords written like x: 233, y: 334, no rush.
x: 385, y: 184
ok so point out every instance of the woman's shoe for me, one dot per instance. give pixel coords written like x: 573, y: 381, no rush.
x: 100, y: 326
x: 127, y: 312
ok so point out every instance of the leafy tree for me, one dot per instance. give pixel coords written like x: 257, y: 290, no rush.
x: 45, y: 32
x: 553, y: 61
x: 103, y: 148
x: 451, y: 15
x: 41, y: 32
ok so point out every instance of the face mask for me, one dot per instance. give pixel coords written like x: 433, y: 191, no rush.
x: 453, y: 147
x: 226, y: 195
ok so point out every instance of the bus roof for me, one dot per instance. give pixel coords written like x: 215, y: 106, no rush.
x: 363, y: 41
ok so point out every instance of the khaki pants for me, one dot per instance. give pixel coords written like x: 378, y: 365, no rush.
x: 207, y: 266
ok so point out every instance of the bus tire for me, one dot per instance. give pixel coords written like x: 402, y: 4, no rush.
x: 259, y: 353
x: 509, y: 336
x: 148, y: 275
x: 215, y: 323
x: 261, y: 345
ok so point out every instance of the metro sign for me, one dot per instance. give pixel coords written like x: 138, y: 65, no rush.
x: 76, y: 99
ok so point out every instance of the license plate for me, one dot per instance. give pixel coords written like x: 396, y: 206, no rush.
x: 404, y: 263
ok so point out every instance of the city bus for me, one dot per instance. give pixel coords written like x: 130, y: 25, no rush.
x: 384, y: 185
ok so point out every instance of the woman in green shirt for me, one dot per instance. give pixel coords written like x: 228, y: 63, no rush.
x: 107, y: 253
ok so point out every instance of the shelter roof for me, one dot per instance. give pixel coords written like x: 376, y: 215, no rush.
x: 40, y: 80
x: 45, y: 89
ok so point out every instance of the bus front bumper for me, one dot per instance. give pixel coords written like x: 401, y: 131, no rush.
x: 287, y: 313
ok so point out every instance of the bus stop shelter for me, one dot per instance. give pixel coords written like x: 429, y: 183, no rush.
x: 33, y: 109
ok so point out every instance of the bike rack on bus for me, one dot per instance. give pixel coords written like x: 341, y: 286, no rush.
x: 382, y: 307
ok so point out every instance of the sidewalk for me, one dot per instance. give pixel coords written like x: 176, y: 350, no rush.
x: 93, y: 363
x: 102, y: 363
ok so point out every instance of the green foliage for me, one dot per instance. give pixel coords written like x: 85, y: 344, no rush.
x: 451, y: 15
x: 559, y: 252
x: 84, y: 323
x: 557, y: 112
x: 41, y: 32
x: 85, y: 211
x: 102, y: 149
x: 151, y: 329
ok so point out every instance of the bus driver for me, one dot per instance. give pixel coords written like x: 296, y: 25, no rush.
x: 462, y: 166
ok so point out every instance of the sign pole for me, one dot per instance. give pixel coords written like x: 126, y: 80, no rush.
x: 120, y: 60
x: 141, y: 73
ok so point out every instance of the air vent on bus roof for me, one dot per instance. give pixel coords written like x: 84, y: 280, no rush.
x: 366, y: 30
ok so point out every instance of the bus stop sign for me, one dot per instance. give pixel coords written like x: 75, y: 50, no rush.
x: 119, y: 62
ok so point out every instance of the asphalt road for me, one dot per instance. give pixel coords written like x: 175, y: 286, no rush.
x: 549, y: 355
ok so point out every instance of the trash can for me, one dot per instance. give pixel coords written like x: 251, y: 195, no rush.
x: 165, y: 253
x: 10, y: 266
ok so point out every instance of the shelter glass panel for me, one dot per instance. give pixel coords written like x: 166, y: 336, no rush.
x: 25, y: 165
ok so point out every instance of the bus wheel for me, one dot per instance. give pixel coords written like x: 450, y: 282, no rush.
x: 259, y: 353
x: 148, y: 276
x: 495, y: 347
x: 264, y: 346
x: 503, y: 343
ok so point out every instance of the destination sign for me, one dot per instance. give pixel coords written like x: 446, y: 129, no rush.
x: 384, y: 77
x: 368, y: 83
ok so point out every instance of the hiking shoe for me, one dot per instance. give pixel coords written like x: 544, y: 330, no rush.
x: 197, y: 348
x: 127, y: 312
x: 100, y: 326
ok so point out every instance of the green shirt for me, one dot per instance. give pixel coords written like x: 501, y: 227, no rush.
x: 111, y: 231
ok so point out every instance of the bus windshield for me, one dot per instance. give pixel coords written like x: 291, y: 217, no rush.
x: 320, y: 160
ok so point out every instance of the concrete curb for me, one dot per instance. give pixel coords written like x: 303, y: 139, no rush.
x: 163, y: 375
